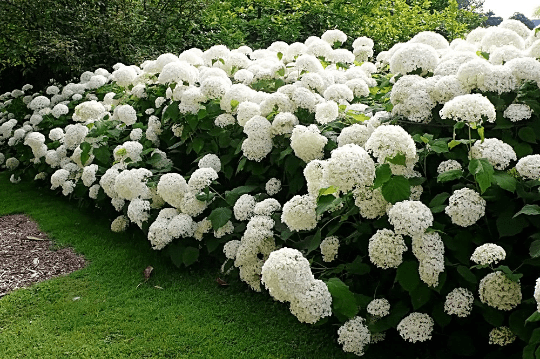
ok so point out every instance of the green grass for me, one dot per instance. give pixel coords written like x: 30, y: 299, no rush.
x: 191, y: 317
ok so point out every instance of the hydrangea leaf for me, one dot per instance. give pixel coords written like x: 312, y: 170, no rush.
x: 190, y: 256
x: 440, y: 317
x: 396, y: 189
x: 535, y: 317
x: 382, y: 174
x: 407, y: 275
x: 529, y: 209
x: 534, y: 249
x: 103, y: 155
x: 527, y: 134
x: 420, y: 296
x: 439, y: 199
x: 219, y: 217
x: 85, y: 154
x: 343, y: 300
x: 357, y: 267
x: 439, y: 145
x: 467, y: 274
x: 398, y: 159
x: 483, y: 172
x: 509, y: 226
x: 505, y: 181
x: 492, y: 316
x: 233, y: 195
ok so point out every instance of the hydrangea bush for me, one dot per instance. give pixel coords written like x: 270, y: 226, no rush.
x: 395, y: 198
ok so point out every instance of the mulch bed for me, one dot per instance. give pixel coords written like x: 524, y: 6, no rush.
x: 26, y: 255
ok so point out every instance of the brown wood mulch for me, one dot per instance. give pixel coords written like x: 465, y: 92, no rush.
x: 27, y: 257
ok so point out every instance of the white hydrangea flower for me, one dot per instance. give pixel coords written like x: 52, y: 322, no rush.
x: 379, y: 307
x: 124, y: 76
x: 326, y: 112
x: 498, y: 153
x: 517, y: 112
x: 472, y: 73
x: 410, y: 218
x: 75, y: 135
x: 389, y: 141
x: 120, y: 224
x: 59, y: 110
x: 416, y: 327
x: 459, y: 302
x: 448, y: 165
x: 433, y: 39
x: 356, y: 134
x: 227, y: 228
x: 210, y: 161
x: 488, y: 253
x: 284, y: 123
x: 307, y: 142
x: 131, y: 184
x: 67, y: 187
x: 126, y: 114
x: 354, y: 335
x: 299, y: 213
x: 273, y: 186
x: 313, y: 304
x: 138, y: 211
x: 172, y: 187
x: 471, y: 109
x: 267, y: 207
x: 158, y: 233
x: 181, y: 225
x: 333, y: 36
x: 107, y: 182
x: 499, y: 292
x: 329, y: 248
x: 465, y: 207
x: 136, y: 134
x: 256, y: 148
x: 89, y: 175
x: 386, y: 249
x: 497, y: 37
x: 349, y: 166
x: 93, y: 191
x: 414, y: 56
x: 39, y: 103
x: 501, y: 336
x: 230, y: 248
x: 500, y: 79
x: 428, y: 248
x: 524, y: 68
x: 58, y: 178
x: 88, y: 111
x: 202, y: 178
x: 529, y: 167
x: 370, y: 202
x: 244, y: 207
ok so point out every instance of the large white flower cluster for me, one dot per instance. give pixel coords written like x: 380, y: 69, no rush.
x: 488, y: 253
x: 459, y: 302
x: 529, y: 167
x: 354, y: 335
x: 349, y: 166
x: 410, y: 218
x: 499, y: 292
x: 379, y: 307
x: 416, y: 327
x: 473, y: 109
x: 498, y: 153
x: 386, y: 249
x: 389, y: 141
x: 465, y: 207
x: 428, y: 248
x: 308, y: 143
x: 299, y: 213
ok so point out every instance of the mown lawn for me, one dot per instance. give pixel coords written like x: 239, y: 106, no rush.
x: 115, y: 317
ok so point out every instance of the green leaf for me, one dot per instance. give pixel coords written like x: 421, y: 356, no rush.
x: 467, y: 274
x: 535, y: 336
x: 85, y: 154
x: 357, y: 267
x: 103, y: 155
x: 219, y: 217
x: 534, y: 249
x: 315, y: 241
x: 396, y: 189
x: 482, y: 171
x: 527, y: 134
x: 420, y: 296
x: 328, y: 190
x: 440, y: 316
x: 234, y: 104
x: 439, y: 199
x: 529, y: 209
x: 535, y: 317
x: 382, y: 174
x: 343, y: 301
x: 197, y: 144
x: 233, y: 195
x: 509, y: 273
x: 509, y: 226
x: 398, y: 159
x: 190, y: 256
x: 449, y: 175
x: 407, y: 275
x: 327, y: 202
x: 528, y: 351
x: 439, y: 146
x: 492, y: 316
x: 505, y: 181
x: 279, y: 55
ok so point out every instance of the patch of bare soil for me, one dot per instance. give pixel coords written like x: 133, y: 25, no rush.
x: 26, y: 255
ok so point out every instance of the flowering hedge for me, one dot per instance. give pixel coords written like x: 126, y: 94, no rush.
x: 396, y: 199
